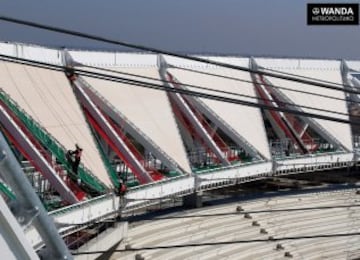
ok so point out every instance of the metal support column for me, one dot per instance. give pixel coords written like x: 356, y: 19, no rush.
x: 138, y: 169
x: 183, y: 106
x: 316, y: 126
x: 43, y: 166
x: 13, y: 236
x: 226, y: 128
x: 131, y: 129
x: 128, y: 126
x: 29, y: 202
x: 193, y: 200
x: 203, y: 108
x: 201, y: 131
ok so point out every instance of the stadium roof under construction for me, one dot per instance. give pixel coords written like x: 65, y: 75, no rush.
x: 149, y: 115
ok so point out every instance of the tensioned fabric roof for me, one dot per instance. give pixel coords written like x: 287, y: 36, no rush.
x: 244, y: 120
x: 340, y: 131
x: 48, y: 98
x: 148, y: 109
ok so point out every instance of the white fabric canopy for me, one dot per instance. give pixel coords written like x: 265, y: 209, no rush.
x: 48, y: 98
x: 246, y: 121
x: 340, y: 131
x: 148, y: 109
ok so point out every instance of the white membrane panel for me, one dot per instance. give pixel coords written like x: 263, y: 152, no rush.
x: 246, y: 121
x: 340, y: 131
x: 148, y: 109
x: 48, y: 98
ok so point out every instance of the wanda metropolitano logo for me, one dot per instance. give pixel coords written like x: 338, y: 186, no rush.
x: 333, y: 14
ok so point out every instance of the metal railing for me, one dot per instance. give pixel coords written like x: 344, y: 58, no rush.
x: 284, y: 148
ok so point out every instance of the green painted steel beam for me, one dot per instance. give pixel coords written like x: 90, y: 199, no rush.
x: 5, y: 189
x: 87, y: 178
